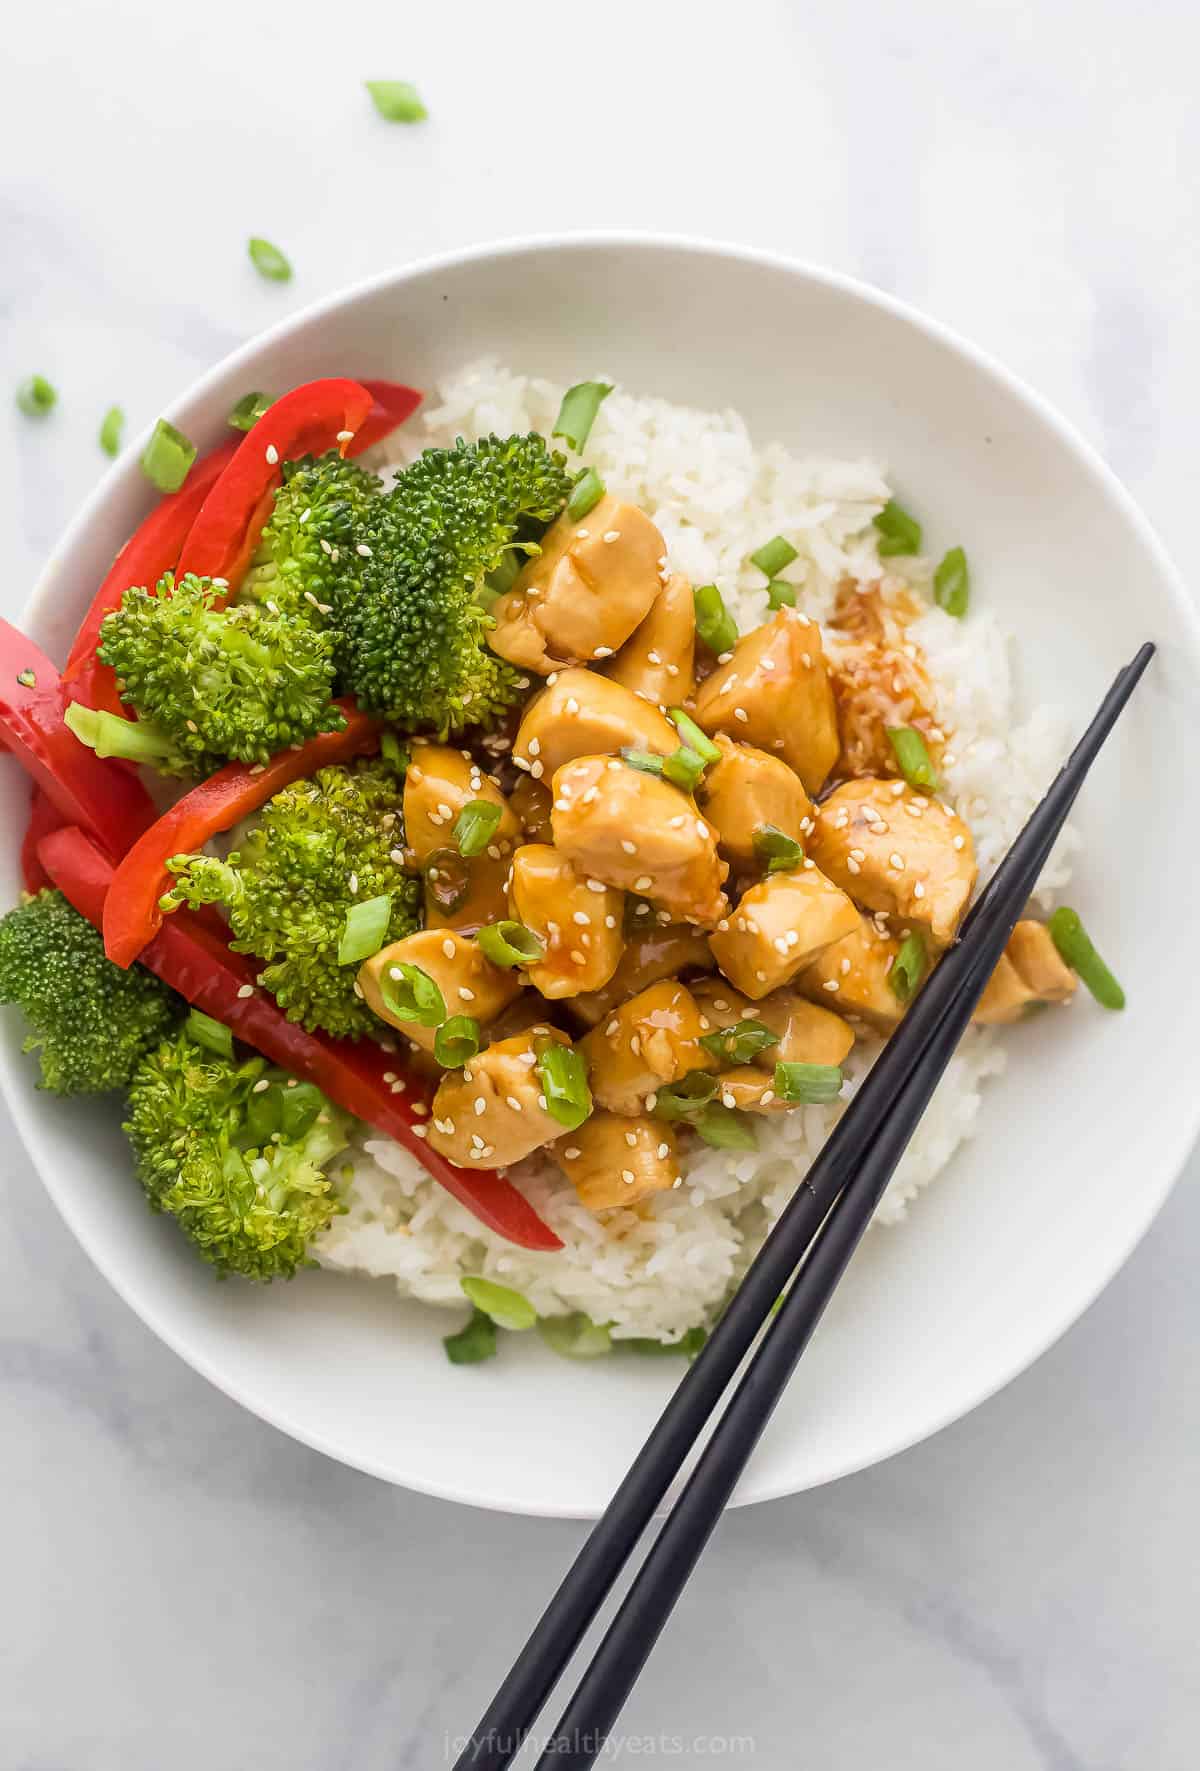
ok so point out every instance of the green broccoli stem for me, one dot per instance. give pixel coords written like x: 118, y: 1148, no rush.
x: 136, y: 741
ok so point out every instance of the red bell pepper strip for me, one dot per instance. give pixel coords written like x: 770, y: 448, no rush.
x: 43, y: 818
x: 361, y: 1078
x: 392, y: 403
x: 132, y: 916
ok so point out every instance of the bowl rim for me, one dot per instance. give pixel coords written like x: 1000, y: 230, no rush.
x: 1173, y: 1155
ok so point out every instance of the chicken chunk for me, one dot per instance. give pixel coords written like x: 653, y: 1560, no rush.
x: 531, y: 802
x: 897, y: 850
x: 805, y: 1033
x: 637, y: 832
x: 748, y: 1089
x: 748, y: 789
x: 775, y: 692
x: 664, y: 951
x: 854, y: 974
x: 582, y: 714
x: 658, y: 660
x: 1031, y: 971
x: 582, y: 596
x: 612, y: 1161
x: 439, y: 782
x: 469, y: 983
x: 491, y: 1112
x: 580, y: 926
x: 652, y: 1040
x: 779, y: 927
x: 465, y: 892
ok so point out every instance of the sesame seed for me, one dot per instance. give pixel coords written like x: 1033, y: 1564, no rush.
x: 581, y: 917
x: 466, y: 995
x: 852, y: 865
x: 844, y: 967
x: 918, y: 890
x: 653, y: 658
x: 245, y: 991
x: 610, y: 922
x: 642, y: 883
x: 702, y: 828
x: 364, y: 550
x: 260, y: 1086
x: 420, y: 1131
x: 520, y: 763
x: 740, y: 713
x: 629, y: 848
x: 571, y: 705
x: 397, y: 855
x: 512, y: 1101
x: 534, y: 746
x: 614, y: 1026
x: 674, y: 823
x: 664, y: 1150
x: 635, y: 1044
x: 651, y: 1102
x: 960, y: 842
x: 628, y: 1176
x: 806, y: 658
x: 831, y: 984
x: 573, y: 1153
x: 272, y: 454
x: 603, y: 652
x: 480, y: 1106
x: 611, y: 535
x: 631, y: 1139
x: 345, y: 436
x: 897, y: 861
x: 578, y: 958
x: 761, y: 977
x: 780, y: 944
x: 537, y: 770
x: 595, y: 885
x: 419, y: 1107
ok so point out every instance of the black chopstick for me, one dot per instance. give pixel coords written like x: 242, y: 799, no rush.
x: 520, y: 1698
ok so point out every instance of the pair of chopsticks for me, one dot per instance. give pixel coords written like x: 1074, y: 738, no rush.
x: 806, y: 1255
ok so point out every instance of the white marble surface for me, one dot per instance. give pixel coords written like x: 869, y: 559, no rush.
x: 182, y: 1586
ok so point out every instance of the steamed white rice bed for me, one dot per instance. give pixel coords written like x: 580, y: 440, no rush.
x: 716, y: 498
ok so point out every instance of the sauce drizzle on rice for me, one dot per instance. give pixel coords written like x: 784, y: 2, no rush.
x: 879, y: 676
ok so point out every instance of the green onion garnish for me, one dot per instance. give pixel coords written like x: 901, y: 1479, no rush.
x: 774, y: 555
x: 692, y: 736
x: 563, y: 1071
x: 814, y: 1084
x: 909, y: 967
x: 780, y: 594
x: 268, y: 260
x: 36, y: 396
x: 714, y: 623
x: 474, y: 1343
x: 111, y: 426
x: 685, y: 1099
x: 1075, y: 946
x: 725, y: 1129
x: 586, y: 494
x: 739, y: 1044
x: 167, y: 457
x: 365, y: 929
x: 781, y: 852
x: 577, y: 414
x: 509, y: 943
x: 397, y: 101
x: 456, y: 1041
x: 644, y: 760
x: 952, y: 583
x: 912, y: 757
x: 506, y: 1308
x: 575, y: 1336
x: 213, y: 1035
x: 475, y: 826
x: 249, y: 410
x: 899, y: 533
x: 412, y: 995
x: 684, y: 768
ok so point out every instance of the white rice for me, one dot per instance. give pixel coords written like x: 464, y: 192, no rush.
x: 661, y: 1269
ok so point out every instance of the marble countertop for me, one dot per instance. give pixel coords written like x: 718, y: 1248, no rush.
x: 185, y: 1587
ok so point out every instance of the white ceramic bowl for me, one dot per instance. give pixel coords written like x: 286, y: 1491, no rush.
x: 1077, y: 1145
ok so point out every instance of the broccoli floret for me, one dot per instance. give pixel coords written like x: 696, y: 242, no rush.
x: 90, y: 1021
x: 319, y: 847
x: 308, y: 545
x: 210, y: 685
x: 235, y: 1153
x: 412, y: 629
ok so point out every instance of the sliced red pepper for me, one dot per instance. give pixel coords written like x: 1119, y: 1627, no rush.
x: 360, y: 1078
x: 132, y: 916
x: 43, y: 818
x: 392, y: 403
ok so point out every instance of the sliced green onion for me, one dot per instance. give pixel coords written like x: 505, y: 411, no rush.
x: 952, y: 583
x: 365, y: 929
x: 447, y: 880
x: 167, y: 457
x: 688, y: 1345
x: 814, y: 1084
x: 506, y: 1307
x: 577, y: 414
x: 684, y: 768
x: 564, y: 1076
x: 586, y: 494
x: 395, y: 755
x: 213, y: 1035
x: 685, y: 1099
x: 909, y: 967
x: 725, y: 1129
x: 714, y: 623
x: 781, y: 852
x: 1075, y: 946
x: 268, y: 260
x: 111, y: 426
x: 774, y: 555
x: 36, y: 396
x: 474, y: 1343
x: 692, y: 736
x: 739, y: 1044
x: 397, y: 101
x: 249, y: 409
x: 912, y: 757
x: 575, y: 1336
x: 475, y: 826
x: 644, y: 760
x: 456, y: 1041
x: 412, y: 995
x: 899, y: 533
x: 781, y: 594
x: 509, y: 943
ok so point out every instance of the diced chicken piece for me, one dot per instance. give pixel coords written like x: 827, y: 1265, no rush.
x: 490, y: 1112
x: 805, y: 1033
x: 779, y: 927
x: 469, y: 983
x: 525, y: 1011
x: 583, y: 595
x: 581, y: 927
x: 531, y: 802
x: 486, y: 895
x: 582, y: 714
x: 748, y: 1089
x: 440, y: 781
x: 1031, y: 971
x: 658, y: 660
x: 854, y: 974
x: 747, y: 789
x: 897, y: 850
x: 637, y: 832
x: 662, y: 952
x: 612, y: 1161
x: 775, y: 692
x: 647, y: 1042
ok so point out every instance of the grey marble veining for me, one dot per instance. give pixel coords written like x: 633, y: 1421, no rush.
x: 183, y: 1586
